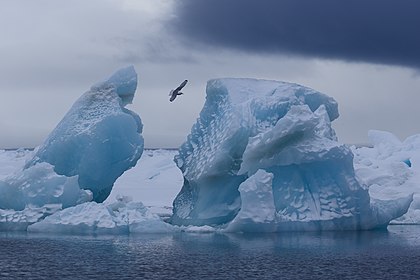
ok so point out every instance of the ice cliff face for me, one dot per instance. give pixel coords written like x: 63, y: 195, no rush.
x: 268, y: 146
x: 98, y: 139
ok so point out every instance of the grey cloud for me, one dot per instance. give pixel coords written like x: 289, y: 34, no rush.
x: 376, y: 31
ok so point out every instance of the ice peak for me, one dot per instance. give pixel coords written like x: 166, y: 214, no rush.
x: 125, y: 83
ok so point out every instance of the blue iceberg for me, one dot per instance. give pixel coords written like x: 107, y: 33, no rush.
x: 263, y: 156
x: 390, y: 168
x: 98, y: 139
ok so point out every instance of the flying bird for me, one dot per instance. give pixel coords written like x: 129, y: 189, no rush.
x: 175, y: 92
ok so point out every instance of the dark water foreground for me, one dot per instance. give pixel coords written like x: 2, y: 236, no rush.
x: 392, y: 254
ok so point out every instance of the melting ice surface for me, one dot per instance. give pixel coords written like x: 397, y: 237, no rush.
x: 95, y: 142
x: 263, y: 157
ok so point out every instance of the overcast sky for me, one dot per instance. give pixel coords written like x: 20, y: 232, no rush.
x: 365, y: 54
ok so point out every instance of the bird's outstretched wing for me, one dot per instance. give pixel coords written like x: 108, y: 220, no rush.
x: 181, y: 85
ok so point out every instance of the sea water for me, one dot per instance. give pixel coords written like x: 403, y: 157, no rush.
x: 392, y: 254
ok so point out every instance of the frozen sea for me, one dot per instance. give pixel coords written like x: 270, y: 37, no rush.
x: 392, y: 254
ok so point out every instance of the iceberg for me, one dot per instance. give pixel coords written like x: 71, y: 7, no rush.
x: 98, y: 139
x: 390, y: 168
x: 263, y: 156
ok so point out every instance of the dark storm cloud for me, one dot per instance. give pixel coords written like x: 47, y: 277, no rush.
x: 379, y: 31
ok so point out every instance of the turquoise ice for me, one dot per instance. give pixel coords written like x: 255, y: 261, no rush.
x: 263, y: 156
x: 98, y: 139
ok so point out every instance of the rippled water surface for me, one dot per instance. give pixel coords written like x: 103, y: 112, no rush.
x: 392, y: 254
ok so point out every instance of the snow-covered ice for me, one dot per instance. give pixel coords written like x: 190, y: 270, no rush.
x: 155, y: 180
x: 391, y: 170
x: 10, y: 161
x: 121, y: 216
x: 278, y: 136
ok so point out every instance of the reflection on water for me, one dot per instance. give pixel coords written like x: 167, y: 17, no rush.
x: 339, y: 255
